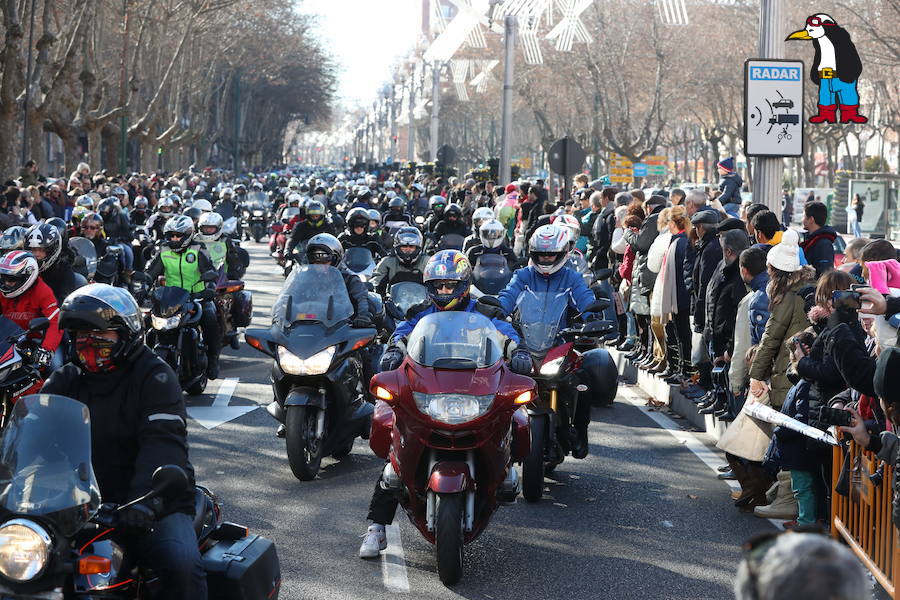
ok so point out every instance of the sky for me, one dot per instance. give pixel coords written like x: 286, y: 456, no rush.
x: 364, y: 36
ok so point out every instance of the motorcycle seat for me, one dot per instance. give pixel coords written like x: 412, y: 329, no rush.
x: 203, y: 510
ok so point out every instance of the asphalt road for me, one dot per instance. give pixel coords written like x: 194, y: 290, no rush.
x: 641, y: 517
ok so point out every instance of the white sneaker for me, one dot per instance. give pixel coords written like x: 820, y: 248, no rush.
x: 374, y: 541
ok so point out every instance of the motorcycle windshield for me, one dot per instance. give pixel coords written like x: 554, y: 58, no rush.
x: 313, y: 293
x: 358, y: 259
x: 455, y: 340
x: 452, y: 241
x: 289, y: 213
x: 540, y: 314
x: 45, y: 462
x: 257, y: 197
x: 491, y: 273
x: 407, y: 294
x: 84, y: 248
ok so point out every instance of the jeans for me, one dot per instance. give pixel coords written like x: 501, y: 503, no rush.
x: 803, y: 486
x: 171, y: 551
x: 857, y: 230
x: 127, y: 257
x: 834, y: 91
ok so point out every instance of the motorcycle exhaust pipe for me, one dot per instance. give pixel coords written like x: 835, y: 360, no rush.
x: 389, y: 478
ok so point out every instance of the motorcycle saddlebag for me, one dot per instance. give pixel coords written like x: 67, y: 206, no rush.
x: 246, y: 569
x: 382, y: 428
x: 600, y: 374
x: 242, y: 309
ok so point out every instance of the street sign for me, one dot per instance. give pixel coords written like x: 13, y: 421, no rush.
x: 566, y: 157
x: 773, y: 107
x: 621, y: 178
x: 621, y: 171
x: 640, y: 170
x: 446, y: 154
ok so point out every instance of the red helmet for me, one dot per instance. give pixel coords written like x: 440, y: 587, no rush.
x: 18, y: 272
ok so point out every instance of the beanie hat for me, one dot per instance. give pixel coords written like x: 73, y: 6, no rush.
x: 786, y: 255
x: 510, y: 188
x: 727, y: 163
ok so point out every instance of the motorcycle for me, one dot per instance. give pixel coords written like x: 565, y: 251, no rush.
x: 234, y: 306
x: 560, y: 370
x: 256, y: 216
x: 360, y: 262
x: 61, y: 542
x: 280, y: 234
x: 229, y: 228
x: 451, y: 241
x: 85, y: 257
x: 317, y: 374
x: 490, y: 275
x: 176, y: 337
x: 450, y: 423
x: 19, y: 374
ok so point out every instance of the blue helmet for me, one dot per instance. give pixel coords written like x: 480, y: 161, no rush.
x: 448, y: 267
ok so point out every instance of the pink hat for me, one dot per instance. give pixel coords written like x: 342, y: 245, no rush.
x: 884, y: 274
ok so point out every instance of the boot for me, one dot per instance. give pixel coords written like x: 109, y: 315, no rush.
x: 849, y: 114
x: 827, y: 114
x: 785, y: 505
x: 658, y: 369
x: 754, y: 493
x: 580, y: 449
x: 717, y: 405
x: 708, y: 401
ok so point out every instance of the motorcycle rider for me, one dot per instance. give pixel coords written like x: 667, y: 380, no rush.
x: 479, y: 217
x: 24, y: 296
x: 406, y: 263
x: 45, y: 243
x: 165, y: 208
x: 448, y: 277
x: 222, y: 252
x: 396, y: 212
x: 357, y: 234
x: 548, y: 250
x: 92, y: 229
x: 451, y: 223
x: 137, y: 425
x: 184, y: 264
x: 118, y: 229
x: 138, y: 214
x: 315, y: 223
x: 325, y: 249
x: 435, y: 213
x: 492, y: 236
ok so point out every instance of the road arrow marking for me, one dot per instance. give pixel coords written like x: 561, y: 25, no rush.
x: 211, y: 417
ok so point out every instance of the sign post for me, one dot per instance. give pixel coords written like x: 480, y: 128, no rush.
x: 773, y: 107
x: 566, y: 157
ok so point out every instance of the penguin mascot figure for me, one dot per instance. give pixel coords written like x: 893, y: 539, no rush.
x: 835, y: 69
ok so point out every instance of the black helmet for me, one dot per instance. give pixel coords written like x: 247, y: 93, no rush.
x: 101, y: 307
x: 179, y: 232
x: 322, y: 248
x: 396, y: 204
x: 408, y: 236
x: 358, y: 217
x: 108, y: 209
x: 453, y: 210
x: 46, y: 237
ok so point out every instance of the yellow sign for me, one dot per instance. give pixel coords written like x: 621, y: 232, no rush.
x: 522, y: 163
x: 621, y: 171
x: 655, y: 159
x: 621, y: 179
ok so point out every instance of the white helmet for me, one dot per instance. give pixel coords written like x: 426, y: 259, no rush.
x: 491, y: 233
x: 203, y: 205
x: 209, y: 227
x: 481, y: 216
x: 548, y: 248
x: 572, y: 224
x: 226, y: 191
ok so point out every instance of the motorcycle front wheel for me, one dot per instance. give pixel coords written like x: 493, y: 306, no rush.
x: 449, y: 536
x: 533, y: 465
x: 303, y: 450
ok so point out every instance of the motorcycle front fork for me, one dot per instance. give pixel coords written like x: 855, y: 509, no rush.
x: 431, y: 498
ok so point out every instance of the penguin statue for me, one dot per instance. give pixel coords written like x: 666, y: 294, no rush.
x: 835, y: 69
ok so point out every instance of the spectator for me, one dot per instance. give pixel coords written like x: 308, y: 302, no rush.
x: 678, y: 320
x: 642, y: 278
x: 28, y: 175
x: 676, y: 196
x: 851, y: 261
x: 750, y: 211
x: 661, y: 296
x: 729, y: 186
x: 708, y: 256
x: 748, y: 321
x: 599, y: 225
x: 818, y: 246
x: 767, y: 230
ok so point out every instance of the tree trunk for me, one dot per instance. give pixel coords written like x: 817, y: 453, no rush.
x: 71, y: 150
x: 148, y: 155
x: 110, y: 137
x: 95, y: 155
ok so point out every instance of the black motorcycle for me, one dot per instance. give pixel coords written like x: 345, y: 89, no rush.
x: 176, y: 336
x: 256, y: 217
x: 59, y: 541
x: 317, y: 376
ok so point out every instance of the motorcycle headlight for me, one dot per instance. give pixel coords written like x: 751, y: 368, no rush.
x: 24, y: 549
x: 452, y: 409
x: 258, y: 213
x: 552, y: 367
x: 163, y: 323
x: 317, y: 364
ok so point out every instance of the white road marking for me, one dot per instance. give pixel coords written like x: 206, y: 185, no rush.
x: 211, y: 417
x: 710, y: 458
x: 393, y: 563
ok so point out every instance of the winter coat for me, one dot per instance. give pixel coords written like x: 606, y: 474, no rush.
x: 643, y: 278
x: 304, y: 230
x: 391, y: 270
x: 709, y: 253
x: 476, y: 251
x: 348, y: 239
x: 788, y: 318
x: 819, y: 249
x: 737, y: 368
x: 730, y: 189
x: 655, y: 257
x: 681, y: 252
x: 758, y: 307
x: 578, y: 294
x: 37, y: 301
x: 728, y: 292
x: 794, y: 451
x: 819, y: 367
x: 447, y: 227
x: 601, y: 237
x: 845, y: 346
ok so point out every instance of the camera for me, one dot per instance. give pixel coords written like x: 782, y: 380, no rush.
x: 846, y: 299
x: 834, y: 416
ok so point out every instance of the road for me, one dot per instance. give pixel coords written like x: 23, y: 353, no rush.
x: 641, y: 517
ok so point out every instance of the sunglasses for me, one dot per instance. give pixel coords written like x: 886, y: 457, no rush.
x: 817, y: 22
x: 90, y: 228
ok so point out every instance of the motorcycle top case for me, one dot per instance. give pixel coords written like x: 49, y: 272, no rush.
x: 246, y: 569
x: 242, y: 309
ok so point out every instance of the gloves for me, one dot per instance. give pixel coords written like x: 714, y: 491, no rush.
x: 490, y: 311
x: 362, y: 323
x: 138, y: 516
x: 520, y: 362
x: 206, y: 295
x: 391, y: 358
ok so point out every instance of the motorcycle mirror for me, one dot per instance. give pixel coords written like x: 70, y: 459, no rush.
x: 169, y: 480
x: 597, y: 305
x: 596, y: 329
x: 38, y: 324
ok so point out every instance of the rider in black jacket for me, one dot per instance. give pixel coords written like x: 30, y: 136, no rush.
x: 137, y: 425
x: 357, y: 234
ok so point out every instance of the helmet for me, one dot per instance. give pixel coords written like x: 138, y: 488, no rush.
x: 358, y: 217
x: 437, y: 204
x: 85, y: 201
x: 119, y: 191
x: 101, y: 307
x: 396, y: 203
x: 203, y: 205
x: 240, y: 189
x: 418, y: 187
x: 194, y: 212
x: 374, y: 217
x: 363, y: 193
x: 448, y: 266
x: 573, y: 226
x: 546, y: 242
x: 294, y: 200
x: 209, y: 227
x: 256, y: 186
x: 92, y: 219
x: 304, y: 189
x: 61, y: 227
x: 340, y: 185
x: 187, y: 194
x: 78, y: 214
x: 315, y: 212
x: 481, y: 216
x: 324, y: 247
x: 109, y: 209
x: 140, y: 203
x: 226, y: 191
x: 408, y: 236
x: 178, y: 232
x: 13, y: 238
x: 176, y: 200
x: 491, y: 233
x: 46, y: 237
x: 18, y: 272
x: 166, y: 206
x: 453, y: 210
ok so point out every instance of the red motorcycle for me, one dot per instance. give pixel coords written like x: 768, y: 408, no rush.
x: 451, y: 423
x: 281, y: 231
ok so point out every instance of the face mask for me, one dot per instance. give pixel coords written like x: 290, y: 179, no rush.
x: 95, y: 353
